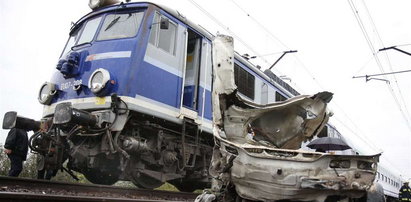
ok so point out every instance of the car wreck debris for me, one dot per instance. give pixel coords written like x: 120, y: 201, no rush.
x: 257, y: 154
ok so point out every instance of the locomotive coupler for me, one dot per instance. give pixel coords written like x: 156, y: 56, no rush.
x: 65, y: 114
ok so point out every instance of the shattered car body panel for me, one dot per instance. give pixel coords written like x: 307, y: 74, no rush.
x: 257, y: 146
x: 282, y: 124
x: 266, y: 174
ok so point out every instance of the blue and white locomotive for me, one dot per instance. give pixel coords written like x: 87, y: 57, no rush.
x: 131, y: 98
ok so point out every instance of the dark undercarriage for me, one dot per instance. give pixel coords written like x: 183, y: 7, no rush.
x: 148, y: 151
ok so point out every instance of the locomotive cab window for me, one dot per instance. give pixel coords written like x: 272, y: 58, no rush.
x: 164, y: 39
x: 70, y: 43
x: 117, y: 26
x: 244, y: 81
x: 89, y: 31
x: 82, y: 35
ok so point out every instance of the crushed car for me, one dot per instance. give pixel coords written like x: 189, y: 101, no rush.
x: 258, y: 156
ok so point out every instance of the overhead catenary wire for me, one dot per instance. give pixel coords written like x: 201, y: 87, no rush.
x: 226, y: 28
x: 406, y: 113
x: 265, y: 29
x: 388, y: 61
x: 282, y: 43
x: 278, y: 40
x: 209, y: 15
x: 362, y: 137
x: 378, y: 62
x: 365, y: 64
x: 261, y: 25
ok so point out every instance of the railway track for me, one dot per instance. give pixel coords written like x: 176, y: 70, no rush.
x: 21, y: 189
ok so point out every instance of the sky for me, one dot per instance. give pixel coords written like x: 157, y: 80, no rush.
x: 332, y: 47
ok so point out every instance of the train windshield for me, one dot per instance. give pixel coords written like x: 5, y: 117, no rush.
x: 78, y: 37
x: 115, y: 26
x: 70, y: 43
x: 89, y: 31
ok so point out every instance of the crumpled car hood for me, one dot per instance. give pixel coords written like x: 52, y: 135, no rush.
x: 283, y: 124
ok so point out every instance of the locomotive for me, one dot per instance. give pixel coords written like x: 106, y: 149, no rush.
x: 130, y: 99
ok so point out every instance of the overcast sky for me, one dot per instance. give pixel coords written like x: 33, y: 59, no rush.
x: 331, y: 50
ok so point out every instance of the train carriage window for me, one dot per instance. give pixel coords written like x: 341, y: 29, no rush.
x: 117, y: 26
x: 89, y: 31
x: 323, y: 132
x: 279, y: 97
x: 164, y: 39
x: 244, y: 81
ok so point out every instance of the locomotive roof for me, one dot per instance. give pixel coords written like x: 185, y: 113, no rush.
x: 272, y: 78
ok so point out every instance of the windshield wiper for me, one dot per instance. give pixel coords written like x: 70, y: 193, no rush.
x: 80, y: 44
x: 114, y: 21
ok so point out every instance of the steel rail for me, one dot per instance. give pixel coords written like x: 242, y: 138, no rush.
x: 23, y: 189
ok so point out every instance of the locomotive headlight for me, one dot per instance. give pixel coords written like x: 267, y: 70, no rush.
x: 95, y: 4
x: 98, y: 80
x: 46, y: 93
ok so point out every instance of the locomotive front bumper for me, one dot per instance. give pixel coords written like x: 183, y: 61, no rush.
x: 66, y: 114
x: 261, y: 173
